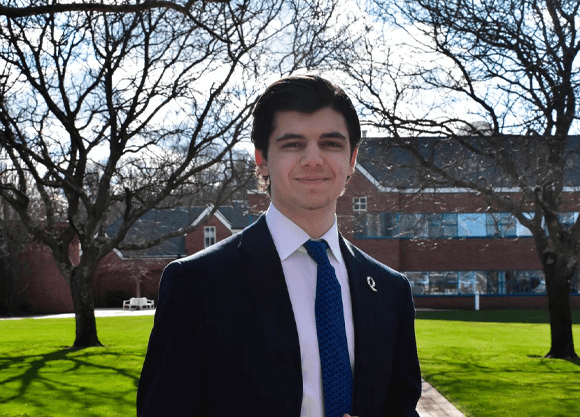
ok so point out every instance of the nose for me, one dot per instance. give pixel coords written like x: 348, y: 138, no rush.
x: 312, y: 156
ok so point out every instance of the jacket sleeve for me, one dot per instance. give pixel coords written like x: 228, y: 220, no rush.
x: 173, y: 379
x: 406, y: 386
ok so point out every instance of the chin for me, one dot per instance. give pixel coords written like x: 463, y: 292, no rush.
x: 316, y: 205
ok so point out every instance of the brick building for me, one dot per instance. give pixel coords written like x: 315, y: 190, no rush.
x: 121, y: 275
x: 444, y: 239
x: 447, y: 240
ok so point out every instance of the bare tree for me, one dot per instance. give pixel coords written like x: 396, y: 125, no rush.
x: 126, y: 110
x: 495, y: 84
x: 13, y: 270
x: 19, y: 9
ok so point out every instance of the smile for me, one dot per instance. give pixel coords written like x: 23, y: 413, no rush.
x: 312, y: 180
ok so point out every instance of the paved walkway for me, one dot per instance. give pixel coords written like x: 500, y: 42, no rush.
x: 99, y: 312
x: 431, y: 404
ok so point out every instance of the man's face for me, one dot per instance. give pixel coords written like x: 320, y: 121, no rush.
x: 308, y: 161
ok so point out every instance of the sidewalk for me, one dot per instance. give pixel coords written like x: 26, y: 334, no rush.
x: 99, y: 312
x: 431, y: 404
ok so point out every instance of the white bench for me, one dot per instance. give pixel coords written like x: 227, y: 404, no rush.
x: 138, y: 303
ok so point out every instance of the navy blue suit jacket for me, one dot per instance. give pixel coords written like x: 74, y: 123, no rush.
x: 225, y: 343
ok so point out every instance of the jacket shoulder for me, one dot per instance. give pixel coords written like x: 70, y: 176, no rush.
x: 368, y: 261
x: 226, y: 254
x: 222, y: 253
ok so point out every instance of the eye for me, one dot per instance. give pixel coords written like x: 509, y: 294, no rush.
x: 294, y: 144
x: 332, y: 144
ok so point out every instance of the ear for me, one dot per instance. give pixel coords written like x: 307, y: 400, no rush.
x: 353, y: 161
x: 261, y: 163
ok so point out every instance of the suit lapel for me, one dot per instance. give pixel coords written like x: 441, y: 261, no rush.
x: 267, y: 285
x: 369, y: 331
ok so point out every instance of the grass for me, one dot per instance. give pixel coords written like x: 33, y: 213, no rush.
x: 40, y: 376
x: 486, y: 363
x: 490, y: 363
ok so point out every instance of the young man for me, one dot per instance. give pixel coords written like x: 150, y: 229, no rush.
x: 286, y: 318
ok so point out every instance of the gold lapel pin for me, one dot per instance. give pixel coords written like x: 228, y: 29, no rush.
x: 371, y: 283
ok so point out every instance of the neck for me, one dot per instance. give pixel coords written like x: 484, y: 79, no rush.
x: 314, y: 222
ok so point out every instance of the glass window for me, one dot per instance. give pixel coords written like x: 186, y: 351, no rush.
x: 442, y: 225
x: 419, y: 282
x: 484, y: 282
x: 528, y: 282
x: 443, y: 282
x: 209, y: 236
x: 471, y: 281
x: 471, y: 224
x: 522, y: 230
x: 567, y: 220
x: 500, y: 225
x: 450, y: 282
x: 466, y: 282
x: 512, y: 285
x: 496, y: 282
x: 413, y: 225
x: 359, y: 203
x: 436, y: 283
x: 376, y: 225
x: 481, y: 282
x: 388, y: 224
x: 372, y: 225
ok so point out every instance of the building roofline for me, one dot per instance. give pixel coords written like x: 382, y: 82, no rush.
x: 217, y: 214
x: 443, y: 190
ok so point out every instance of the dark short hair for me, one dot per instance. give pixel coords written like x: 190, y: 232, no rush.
x: 303, y: 93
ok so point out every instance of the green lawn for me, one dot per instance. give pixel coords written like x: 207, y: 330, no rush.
x: 487, y: 363
x: 39, y: 376
x: 490, y: 363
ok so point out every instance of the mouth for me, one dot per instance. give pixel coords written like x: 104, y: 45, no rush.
x: 316, y: 180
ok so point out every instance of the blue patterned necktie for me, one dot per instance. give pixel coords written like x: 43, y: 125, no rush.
x: 332, y: 344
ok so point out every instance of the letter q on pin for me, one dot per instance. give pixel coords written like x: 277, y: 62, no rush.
x: 371, y: 283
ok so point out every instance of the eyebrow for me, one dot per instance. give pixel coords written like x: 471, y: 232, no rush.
x: 331, y: 135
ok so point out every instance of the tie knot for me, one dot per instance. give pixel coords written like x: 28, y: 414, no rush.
x: 317, y: 251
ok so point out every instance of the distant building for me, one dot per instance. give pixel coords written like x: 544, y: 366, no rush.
x: 122, y: 275
x: 442, y: 238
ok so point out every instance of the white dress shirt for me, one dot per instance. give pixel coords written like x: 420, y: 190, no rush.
x: 300, y: 274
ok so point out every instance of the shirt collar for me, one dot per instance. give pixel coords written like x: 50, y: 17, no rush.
x: 289, y: 237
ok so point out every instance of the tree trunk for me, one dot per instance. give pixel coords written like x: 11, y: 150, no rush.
x: 558, y: 287
x: 84, y: 306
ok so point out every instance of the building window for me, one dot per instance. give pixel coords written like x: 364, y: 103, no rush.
x: 419, y: 282
x: 472, y: 281
x: 483, y: 282
x: 444, y: 282
x: 501, y: 225
x: 359, y: 203
x: 442, y: 225
x: 413, y: 225
x: 471, y: 224
x: 208, y: 236
x: 567, y: 220
x: 370, y: 225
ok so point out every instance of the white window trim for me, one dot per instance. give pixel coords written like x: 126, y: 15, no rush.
x: 361, y: 202
x: 209, y: 232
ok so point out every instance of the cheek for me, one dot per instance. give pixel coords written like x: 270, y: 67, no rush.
x: 342, y: 168
x: 286, y: 166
